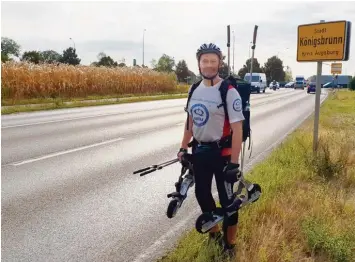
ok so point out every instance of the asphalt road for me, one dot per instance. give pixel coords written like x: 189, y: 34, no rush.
x: 68, y: 192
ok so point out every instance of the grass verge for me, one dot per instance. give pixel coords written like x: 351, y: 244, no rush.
x: 306, y: 212
x: 40, y: 105
x: 10, y: 106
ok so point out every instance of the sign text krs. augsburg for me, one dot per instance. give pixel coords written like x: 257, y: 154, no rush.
x: 322, y: 41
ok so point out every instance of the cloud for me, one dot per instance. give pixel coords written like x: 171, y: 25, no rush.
x: 173, y: 28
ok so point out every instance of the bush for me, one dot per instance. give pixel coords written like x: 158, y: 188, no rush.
x: 352, y: 84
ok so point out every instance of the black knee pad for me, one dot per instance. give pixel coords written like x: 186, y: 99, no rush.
x: 233, y: 219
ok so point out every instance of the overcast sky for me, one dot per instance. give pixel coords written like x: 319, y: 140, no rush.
x: 173, y: 28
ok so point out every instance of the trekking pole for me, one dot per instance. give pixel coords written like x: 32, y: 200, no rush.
x: 228, y: 45
x: 147, y: 170
x: 253, y: 50
x: 251, y: 73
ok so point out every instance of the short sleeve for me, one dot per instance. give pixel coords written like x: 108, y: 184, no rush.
x: 234, y: 106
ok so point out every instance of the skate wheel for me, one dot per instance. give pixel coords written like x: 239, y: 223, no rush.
x: 172, y: 208
x: 255, y: 194
x: 201, y: 220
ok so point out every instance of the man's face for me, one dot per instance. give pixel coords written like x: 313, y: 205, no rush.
x: 209, y: 64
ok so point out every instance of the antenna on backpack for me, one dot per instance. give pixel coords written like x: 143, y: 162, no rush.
x: 228, y: 45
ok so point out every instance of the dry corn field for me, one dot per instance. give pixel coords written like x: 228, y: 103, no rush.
x: 27, y: 81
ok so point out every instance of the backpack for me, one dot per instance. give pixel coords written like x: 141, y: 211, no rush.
x: 244, y: 90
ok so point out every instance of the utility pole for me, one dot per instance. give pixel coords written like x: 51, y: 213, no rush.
x: 73, y: 43
x: 143, y: 45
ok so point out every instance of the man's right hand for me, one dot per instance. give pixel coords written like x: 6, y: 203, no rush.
x: 181, y: 152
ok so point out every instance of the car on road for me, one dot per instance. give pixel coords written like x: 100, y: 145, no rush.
x: 290, y: 85
x: 311, y: 87
x: 282, y: 83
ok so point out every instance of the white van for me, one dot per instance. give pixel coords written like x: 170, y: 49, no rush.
x: 258, y: 82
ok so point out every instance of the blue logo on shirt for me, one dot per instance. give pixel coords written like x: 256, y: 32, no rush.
x: 237, y: 105
x: 200, y: 114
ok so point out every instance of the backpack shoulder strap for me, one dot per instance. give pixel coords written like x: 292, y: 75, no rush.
x: 192, y: 89
x: 223, y: 89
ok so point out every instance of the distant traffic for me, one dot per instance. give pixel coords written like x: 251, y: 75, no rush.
x: 260, y: 84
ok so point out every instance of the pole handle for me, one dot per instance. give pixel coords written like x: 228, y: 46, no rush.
x: 255, y: 34
x: 148, y: 172
x: 228, y: 35
x: 141, y: 170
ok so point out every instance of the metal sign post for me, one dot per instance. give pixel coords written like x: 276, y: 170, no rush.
x: 317, y: 103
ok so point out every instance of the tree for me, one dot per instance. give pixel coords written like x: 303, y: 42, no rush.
x: 107, y: 61
x: 288, y: 75
x: 32, y: 56
x: 242, y: 72
x: 274, y: 69
x: 223, y: 70
x: 9, y: 47
x: 122, y: 62
x: 154, y: 63
x: 4, y: 57
x: 352, y: 84
x: 101, y: 55
x: 182, y: 71
x: 246, y: 67
x: 165, y: 64
x: 70, y: 57
x: 50, y: 56
x: 192, y: 76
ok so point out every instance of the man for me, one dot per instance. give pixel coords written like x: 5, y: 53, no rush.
x: 207, y: 125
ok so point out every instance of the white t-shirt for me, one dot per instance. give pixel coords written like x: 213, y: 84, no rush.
x: 208, y: 119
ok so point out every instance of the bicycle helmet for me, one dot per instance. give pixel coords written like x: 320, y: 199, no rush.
x: 208, y: 49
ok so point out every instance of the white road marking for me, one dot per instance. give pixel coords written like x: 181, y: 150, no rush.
x: 58, y: 121
x: 82, y: 117
x: 31, y: 160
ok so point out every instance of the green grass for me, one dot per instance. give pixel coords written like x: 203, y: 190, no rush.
x: 306, y: 211
x: 323, y: 238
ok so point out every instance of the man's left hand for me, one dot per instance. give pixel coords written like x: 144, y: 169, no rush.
x: 232, y: 172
